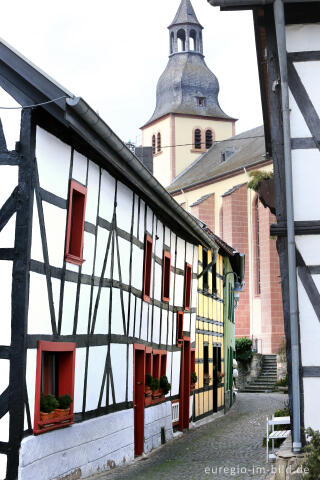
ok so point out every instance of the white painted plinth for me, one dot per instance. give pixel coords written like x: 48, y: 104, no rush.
x: 155, y: 418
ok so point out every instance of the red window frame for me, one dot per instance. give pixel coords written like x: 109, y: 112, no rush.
x: 66, y: 367
x: 148, y: 244
x: 166, y: 276
x: 187, y: 286
x: 75, y: 223
x: 179, y: 328
x: 149, y: 360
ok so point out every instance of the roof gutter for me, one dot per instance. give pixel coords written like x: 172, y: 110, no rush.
x: 90, y: 118
x: 250, y: 3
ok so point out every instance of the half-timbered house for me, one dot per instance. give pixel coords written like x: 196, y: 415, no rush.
x: 98, y: 269
x: 288, y: 52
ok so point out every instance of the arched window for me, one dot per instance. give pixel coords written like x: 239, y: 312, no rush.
x: 159, y: 142
x: 171, y: 42
x: 153, y: 144
x: 257, y: 244
x: 193, y: 40
x: 181, y: 35
x: 208, y: 138
x: 197, y: 138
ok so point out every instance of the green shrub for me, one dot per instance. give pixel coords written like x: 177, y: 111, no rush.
x: 154, y: 384
x: 148, y: 380
x: 283, y: 382
x: 244, y: 349
x: 64, y: 401
x: 48, y: 403
x: 194, y: 377
x: 257, y: 176
x: 164, y: 384
x: 312, y: 449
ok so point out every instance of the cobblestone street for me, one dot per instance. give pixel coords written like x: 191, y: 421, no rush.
x: 232, y: 442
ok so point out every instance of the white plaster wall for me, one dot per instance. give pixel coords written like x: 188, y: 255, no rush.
x: 141, y: 226
x: 311, y: 387
x: 179, y: 290
x: 79, y: 167
x: 53, y: 157
x: 149, y: 225
x: 102, y: 319
x: 118, y: 361
x: 305, y: 171
x: 3, y: 466
x: 69, y: 302
x: 138, y: 313
x: 167, y: 236
x: 55, y: 223
x: 159, y: 242
x: 10, y: 120
x: 88, y: 253
x: 309, y: 326
x: 157, y: 281
x: 117, y: 319
x: 107, y: 193
x: 155, y: 418
x: 135, y: 217
x: 170, y: 327
x: 298, y: 124
x: 132, y: 309
x: 4, y: 382
x: 92, y: 193
x: 169, y: 366
x: 124, y: 207
x: 102, y: 242
x: 309, y: 72
x: 36, y: 243
x: 6, y: 285
x: 144, y: 320
x: 124, y: 251
x: 7, y: 236
x: 173, y: 248
x: 79, y: 379
x: 186, y: 322
x: 137, y: 270
x: 130, y: 374
x: 39, y: 320
x: 96, y: 364
x: 90, y: 446
x: 164, y: 324
x: 308, y: 246
x: 302, y: 38
x: 176, y: 360
x: 8, y: 182
x: 189, y: 253
x: 180, y: 253
x: 83, y: 311
x: 31, y: 369
x: 156, y: 324
x: 193, y: 327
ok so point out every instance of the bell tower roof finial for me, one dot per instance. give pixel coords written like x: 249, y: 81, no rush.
x: 185, y: 15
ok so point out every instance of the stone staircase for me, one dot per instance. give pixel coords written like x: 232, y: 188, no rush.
x: 265, y: 382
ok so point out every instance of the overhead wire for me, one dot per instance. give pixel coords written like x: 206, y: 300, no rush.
x: 35, y: 105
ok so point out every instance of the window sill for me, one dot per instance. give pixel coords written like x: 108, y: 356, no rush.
x: 157, y: 153
x: 198, y: 150
x: 73, y: 259
x: 146, y: 298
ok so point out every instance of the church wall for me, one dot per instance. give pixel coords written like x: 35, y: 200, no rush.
x: 184, y: 129
x: 162, y: 160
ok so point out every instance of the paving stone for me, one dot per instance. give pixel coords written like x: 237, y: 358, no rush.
x: 228, y: 448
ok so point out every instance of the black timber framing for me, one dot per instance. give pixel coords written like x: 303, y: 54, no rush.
x: 310, y: 227
x: 20, y: 292
x: 274, y: 108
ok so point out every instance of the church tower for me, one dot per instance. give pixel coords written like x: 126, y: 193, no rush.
x: 187, y: 110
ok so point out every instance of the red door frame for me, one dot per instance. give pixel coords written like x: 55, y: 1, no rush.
x: 185, y: 380
x: 139, y: 371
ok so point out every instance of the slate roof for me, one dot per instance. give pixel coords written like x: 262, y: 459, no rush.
x: 249, y: 148
x: 201, y: 200
x: 185, y: 14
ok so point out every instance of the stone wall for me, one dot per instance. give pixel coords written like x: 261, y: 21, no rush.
x: 249, y: 371
x: 288, y: 465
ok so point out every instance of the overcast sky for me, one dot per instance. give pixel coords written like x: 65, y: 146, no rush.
x: 112, y: 54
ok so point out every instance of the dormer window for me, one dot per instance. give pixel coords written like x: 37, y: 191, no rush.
x: 201, y: 101
x: 226, y: 155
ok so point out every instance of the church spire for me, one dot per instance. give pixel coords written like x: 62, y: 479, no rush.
x: 185, y: 31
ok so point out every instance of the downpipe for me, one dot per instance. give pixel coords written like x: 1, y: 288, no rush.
x: 292, y: 268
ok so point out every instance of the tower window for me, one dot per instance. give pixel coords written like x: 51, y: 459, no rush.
x: 197, y: 138
x: 181, y: 35
x: 171, y: 42
x: 153, y: 144
x: 193, y: 40
x: 159, y: 142
x: 208, y: 138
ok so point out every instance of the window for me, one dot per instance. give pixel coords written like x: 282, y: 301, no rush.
x: 208, y: 138
x: 171, y: 42
x: 54, y: 376
x: 214, y: 277
x: 163, y: 364
x: 193, y: 40
x: 197, y: 138
x: 206, y: 379
x: 156, y: 364
x: 205, y: 269
x: 153, y: 144
x: 75, y: 223
x: 147, y: 268
x: 166, y: 271
x: 179, y: 328
x: 181, y: 36
x: 258, y: 273
x: 201, y: 101
x: 159, y: 142
x: 193, y: 360
x: 187, y: 286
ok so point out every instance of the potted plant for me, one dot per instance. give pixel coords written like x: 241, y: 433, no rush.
x: 194, y: 380
x: 220, y: 376
x: 155, y: 388
x: 165, y: 386
x: 48, y: 404
x: 147, y: 389
x: 64, y: 406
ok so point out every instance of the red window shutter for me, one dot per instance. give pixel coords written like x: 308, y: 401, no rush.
x: 75, y: 223
x: 166, y: 275
x: 54, y: 375
x: 147, y: 268
x: 193, y: 360
x: 156, y: 364
x: 179, y: 328
x: 187, y: 286
x: 163, y: 368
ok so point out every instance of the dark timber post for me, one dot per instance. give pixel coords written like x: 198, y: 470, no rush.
x: 20, y: 292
